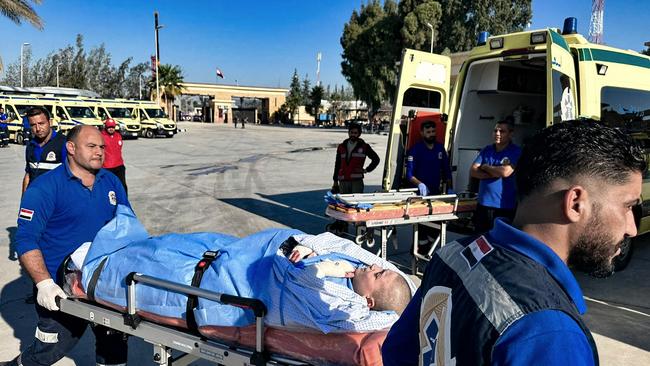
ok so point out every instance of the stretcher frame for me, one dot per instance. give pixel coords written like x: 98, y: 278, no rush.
x: 165, y: 339
x: 387, y: 227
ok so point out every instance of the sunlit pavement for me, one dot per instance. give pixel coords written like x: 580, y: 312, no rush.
x: 217, y: 178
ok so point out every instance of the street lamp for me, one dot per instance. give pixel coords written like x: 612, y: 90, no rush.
x: 22, y: 50
x: 57, y: 73
x: 156, y: 28
x: 140, y: 85
x: 430, y: 26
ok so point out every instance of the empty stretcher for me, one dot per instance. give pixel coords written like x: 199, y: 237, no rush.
x: 254, y: 344
x: 385, y: 211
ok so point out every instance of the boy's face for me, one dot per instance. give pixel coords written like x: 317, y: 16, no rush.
x: 369, y: 279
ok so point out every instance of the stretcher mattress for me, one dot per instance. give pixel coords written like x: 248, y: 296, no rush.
x: 388, y: 211
x: 311, y: 347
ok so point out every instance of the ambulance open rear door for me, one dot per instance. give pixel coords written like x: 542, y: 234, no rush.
x: 561, y: 96
x: 424, y: 83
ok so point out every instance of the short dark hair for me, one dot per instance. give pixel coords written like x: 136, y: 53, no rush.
x: 508, y: 121
x: 427, y: 124
x: 353, y: 126
x: 36, y: 110
x: 394, y: 297
x: 577, y: 148
x: 74, y: 132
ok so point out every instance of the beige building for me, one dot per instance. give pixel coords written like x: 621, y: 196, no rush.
x: 227, y: 101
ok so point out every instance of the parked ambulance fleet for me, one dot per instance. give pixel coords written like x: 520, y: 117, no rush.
x: 134, y: 118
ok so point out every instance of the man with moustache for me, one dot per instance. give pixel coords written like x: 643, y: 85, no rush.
x: 46, y: 150
x: 427, y: 164
x: 60, y: 211
x: 508, y: 296
x: 350, y: 158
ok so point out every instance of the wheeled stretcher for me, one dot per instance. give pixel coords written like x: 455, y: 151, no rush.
x: 380, y: 213
x: 254, y: 345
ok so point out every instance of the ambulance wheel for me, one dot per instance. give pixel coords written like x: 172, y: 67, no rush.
x: 20, y: 139
x: 148, y: 134
x: 622, y: 260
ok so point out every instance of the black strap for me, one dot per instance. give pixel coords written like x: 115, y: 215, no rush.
x: 93, y: 280
x: 192, y: 300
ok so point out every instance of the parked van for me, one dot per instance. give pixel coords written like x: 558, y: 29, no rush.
x: 154, y: 120
x: 16, y: 106
x: 79, y: 111
x: 539, y: 78
x: 121, y: 112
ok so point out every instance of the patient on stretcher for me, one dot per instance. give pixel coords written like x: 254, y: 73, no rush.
x: 321, y: 282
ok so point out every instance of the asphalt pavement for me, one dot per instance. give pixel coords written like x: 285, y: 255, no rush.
x: 240, y: 181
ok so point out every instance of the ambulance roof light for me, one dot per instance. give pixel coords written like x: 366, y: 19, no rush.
x: 570, y: 26
x: 482, y: 38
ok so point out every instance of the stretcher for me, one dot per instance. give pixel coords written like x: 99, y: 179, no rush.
x: 392, y: 209
x: 251, y: 345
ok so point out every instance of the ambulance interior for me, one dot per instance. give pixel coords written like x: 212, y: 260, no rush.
x: 493, y: 90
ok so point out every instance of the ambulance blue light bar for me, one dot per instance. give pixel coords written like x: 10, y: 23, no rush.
x: 482, y: 38
x: 570, y: 26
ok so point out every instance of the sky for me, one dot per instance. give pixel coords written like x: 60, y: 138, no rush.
x: 255, y: 42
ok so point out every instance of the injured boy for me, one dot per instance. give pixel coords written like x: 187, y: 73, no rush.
x: 321, y: 282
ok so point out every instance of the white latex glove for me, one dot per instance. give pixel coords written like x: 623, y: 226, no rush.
x: 299, y: 253
x: 47, y: 293
x: 329, y: 268
x: 423, y: 189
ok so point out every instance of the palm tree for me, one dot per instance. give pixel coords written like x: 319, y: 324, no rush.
x: 18, y: 11
x: 170, y: 80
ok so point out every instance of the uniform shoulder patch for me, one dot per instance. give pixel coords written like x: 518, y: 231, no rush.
x: 26, y: 214
x: 51, y: 156
x: 476, y: 250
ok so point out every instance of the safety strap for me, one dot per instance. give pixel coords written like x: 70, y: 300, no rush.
x: 192, y: 300
x: 93, y: 280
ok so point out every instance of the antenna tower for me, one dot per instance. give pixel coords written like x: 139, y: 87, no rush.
x: 596, y: 23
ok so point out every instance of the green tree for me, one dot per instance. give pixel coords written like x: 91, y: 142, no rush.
x: 294, y: 98
x: 315, y: 99
x: 18, y: 11
x: 306, y: 90
x: 170, y: 80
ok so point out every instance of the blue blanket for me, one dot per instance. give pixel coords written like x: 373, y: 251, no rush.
x: 250, y: 267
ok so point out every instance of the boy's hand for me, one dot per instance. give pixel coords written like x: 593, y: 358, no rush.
x: 299, y: 253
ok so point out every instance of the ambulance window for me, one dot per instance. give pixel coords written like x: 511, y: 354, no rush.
x: 627, y: 109
x: 60, y: 113
x: 101, y: 113
x: 563, y: 103
x: 143, y: 116
x: 421, y: 98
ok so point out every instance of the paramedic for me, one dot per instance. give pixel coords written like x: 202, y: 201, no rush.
x: 426, y: 164
x: 350, y: 158
x: 495, y: 167
x: 59, y: 212
x: 508, y: 297
x: 113, y: 161
x: 4, y: 130
x: 46, y: 150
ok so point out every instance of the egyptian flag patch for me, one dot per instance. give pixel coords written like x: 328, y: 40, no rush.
x: 474, y: 252
x: 26, y: 214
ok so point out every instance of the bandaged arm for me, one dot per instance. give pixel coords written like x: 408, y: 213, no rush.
x: 328, y: 268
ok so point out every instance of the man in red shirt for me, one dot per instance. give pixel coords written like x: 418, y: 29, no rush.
x: 113, y: 161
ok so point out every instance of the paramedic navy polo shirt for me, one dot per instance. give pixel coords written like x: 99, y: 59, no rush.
x: 428, y: 166
x: 529, y: 339
x: 58, y: 214
x: 498, y: 192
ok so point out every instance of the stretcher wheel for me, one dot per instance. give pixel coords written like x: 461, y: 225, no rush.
x: 359, y: 239
x: 370, y: 241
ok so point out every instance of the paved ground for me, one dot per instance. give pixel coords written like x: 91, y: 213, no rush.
x: 216, y: 178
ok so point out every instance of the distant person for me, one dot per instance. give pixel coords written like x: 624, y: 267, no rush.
x: 4, y: 129
x: 508, y: 297
x: 495, y: 167
x: 427, y: 166
x: 113, y: 160
x: 244, y: 122
x: 234, y: 120
x: 3, y: 115
x: 350, y: 158
x: 46, y: 150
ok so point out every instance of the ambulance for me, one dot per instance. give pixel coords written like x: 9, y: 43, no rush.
x: 121, y: 112
x: 76, y: 111
x: 153, y: 119
x: 17, y: 105
x: 539, y: 78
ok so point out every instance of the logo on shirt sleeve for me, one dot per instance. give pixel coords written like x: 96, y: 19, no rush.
x: 26, y: 214
x: 474, y: 252
x: 505, y: 161
x: 51, y: 156
x: 112, y: 198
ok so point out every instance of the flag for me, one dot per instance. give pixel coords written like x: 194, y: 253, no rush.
x: 219, y: 73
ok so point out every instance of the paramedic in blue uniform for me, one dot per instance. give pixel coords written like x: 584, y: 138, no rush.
x: 46, y: 150
x: 495, y: 167
x: 508, y: 296
x: 4, y: 129
x: 59, y: 212
x: 427, y: 164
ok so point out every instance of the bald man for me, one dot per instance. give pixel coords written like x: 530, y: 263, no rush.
x: 61, y: 210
